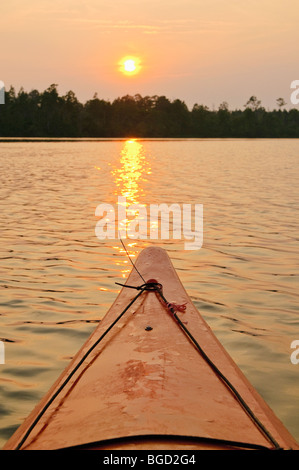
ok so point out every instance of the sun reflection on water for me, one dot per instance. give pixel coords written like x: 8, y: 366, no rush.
x: 130, y: 178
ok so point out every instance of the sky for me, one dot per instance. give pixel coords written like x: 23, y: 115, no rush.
x: 199, y: 51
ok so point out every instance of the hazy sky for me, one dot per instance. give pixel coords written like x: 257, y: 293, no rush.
x: 201, y: 51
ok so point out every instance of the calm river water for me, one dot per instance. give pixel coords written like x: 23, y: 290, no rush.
x: 58, y: 279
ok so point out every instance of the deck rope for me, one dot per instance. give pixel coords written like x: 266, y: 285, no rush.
x: 173, y: 308
x: 74, y: 370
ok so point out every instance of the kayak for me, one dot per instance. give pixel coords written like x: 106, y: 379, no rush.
x: 152, y: 375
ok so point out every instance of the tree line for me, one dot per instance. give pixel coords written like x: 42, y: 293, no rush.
x: 47, y: 114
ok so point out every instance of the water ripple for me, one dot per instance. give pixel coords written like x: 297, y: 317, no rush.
x: 57, y: 279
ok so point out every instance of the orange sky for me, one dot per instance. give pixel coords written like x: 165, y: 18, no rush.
x: 201, y: 51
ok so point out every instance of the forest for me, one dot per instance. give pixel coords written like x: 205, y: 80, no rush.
x: 48, y: 114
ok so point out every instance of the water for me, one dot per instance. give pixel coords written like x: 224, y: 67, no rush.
x: 58, y: 279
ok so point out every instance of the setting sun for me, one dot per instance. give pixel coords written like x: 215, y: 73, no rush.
x: 130, y: 65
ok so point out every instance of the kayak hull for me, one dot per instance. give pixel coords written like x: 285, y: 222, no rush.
x: 145, y: 385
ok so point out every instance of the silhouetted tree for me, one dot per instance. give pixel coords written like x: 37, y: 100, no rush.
x: 281, y: 102
x: 95, y: 118
x: 48, y: 114
x: 253, y: 103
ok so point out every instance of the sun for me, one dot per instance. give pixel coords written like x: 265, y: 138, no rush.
x: 130, y: 65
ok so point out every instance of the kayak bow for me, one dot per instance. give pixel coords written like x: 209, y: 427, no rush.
x: 152, y: 376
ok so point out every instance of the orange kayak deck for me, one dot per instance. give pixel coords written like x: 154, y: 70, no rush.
x: 145, y: 385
